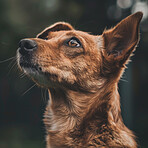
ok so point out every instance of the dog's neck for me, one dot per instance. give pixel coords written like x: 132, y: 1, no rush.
x: 73, y: 113
x: 69, y: 108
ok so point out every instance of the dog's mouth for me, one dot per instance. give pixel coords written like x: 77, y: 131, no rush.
x: 31, y: 66
x: 32, y: 69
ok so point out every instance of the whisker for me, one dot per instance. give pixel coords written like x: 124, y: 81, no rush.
x: 123, y: 80
x: 3, y: 61
x: 15, y: 63
x: 43, y: 95
x: 28, y: 89
x: 13, y: 60
x: 22, y: 75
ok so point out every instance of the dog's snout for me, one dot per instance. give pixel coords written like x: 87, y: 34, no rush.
x: 27, y: 45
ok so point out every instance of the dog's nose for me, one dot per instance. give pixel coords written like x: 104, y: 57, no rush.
x: 27, y: 45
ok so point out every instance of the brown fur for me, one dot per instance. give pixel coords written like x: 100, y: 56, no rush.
x: 84, y: 106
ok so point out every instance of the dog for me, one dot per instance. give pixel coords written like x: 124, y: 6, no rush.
x: 81, y: 72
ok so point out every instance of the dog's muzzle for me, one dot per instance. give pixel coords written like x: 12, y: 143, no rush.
x: 26, y: 46
x: 25, y: 55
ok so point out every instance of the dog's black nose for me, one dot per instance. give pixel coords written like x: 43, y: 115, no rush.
x: 26, y: 46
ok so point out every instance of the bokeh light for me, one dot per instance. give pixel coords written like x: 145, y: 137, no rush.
x: 114, y: 12
x: 124, y: 4
x: 141, y: 6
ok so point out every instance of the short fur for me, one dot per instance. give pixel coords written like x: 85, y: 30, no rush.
x: 84, y: 106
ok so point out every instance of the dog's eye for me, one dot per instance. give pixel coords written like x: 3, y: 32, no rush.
x: 74, y: 42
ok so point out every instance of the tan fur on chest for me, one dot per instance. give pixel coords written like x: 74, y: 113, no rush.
x: 81, y: 72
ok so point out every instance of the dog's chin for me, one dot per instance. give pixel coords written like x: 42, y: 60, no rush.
x: 34, y: 71
x: 36, y: 74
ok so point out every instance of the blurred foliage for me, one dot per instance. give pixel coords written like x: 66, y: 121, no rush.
x: 21, y: 115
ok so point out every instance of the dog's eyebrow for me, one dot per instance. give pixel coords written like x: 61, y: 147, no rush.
x: 76, y: 33
x: 71, y: 33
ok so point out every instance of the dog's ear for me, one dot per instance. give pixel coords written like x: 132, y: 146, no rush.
x: 120, y: 41
x: 55, y: 27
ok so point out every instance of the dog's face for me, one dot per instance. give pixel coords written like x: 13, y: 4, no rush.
x: 61, y: 56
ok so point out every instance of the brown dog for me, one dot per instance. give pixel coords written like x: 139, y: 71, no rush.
x: 81, y: 72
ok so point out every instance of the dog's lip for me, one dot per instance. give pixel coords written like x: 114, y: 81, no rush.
x: 27, y: 62
x: 34, y: 67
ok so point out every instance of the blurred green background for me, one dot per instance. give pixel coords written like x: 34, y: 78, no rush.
x: 21, y: 114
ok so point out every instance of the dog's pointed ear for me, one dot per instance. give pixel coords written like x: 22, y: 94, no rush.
x: 120, y: 41
x: 55, y: 27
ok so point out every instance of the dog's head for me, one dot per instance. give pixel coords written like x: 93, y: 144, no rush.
x: 61, y: 56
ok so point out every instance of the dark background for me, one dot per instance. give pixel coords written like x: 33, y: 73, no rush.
x: 21, y: 112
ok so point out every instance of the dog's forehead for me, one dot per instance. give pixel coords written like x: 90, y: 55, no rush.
x: 71, y: 33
